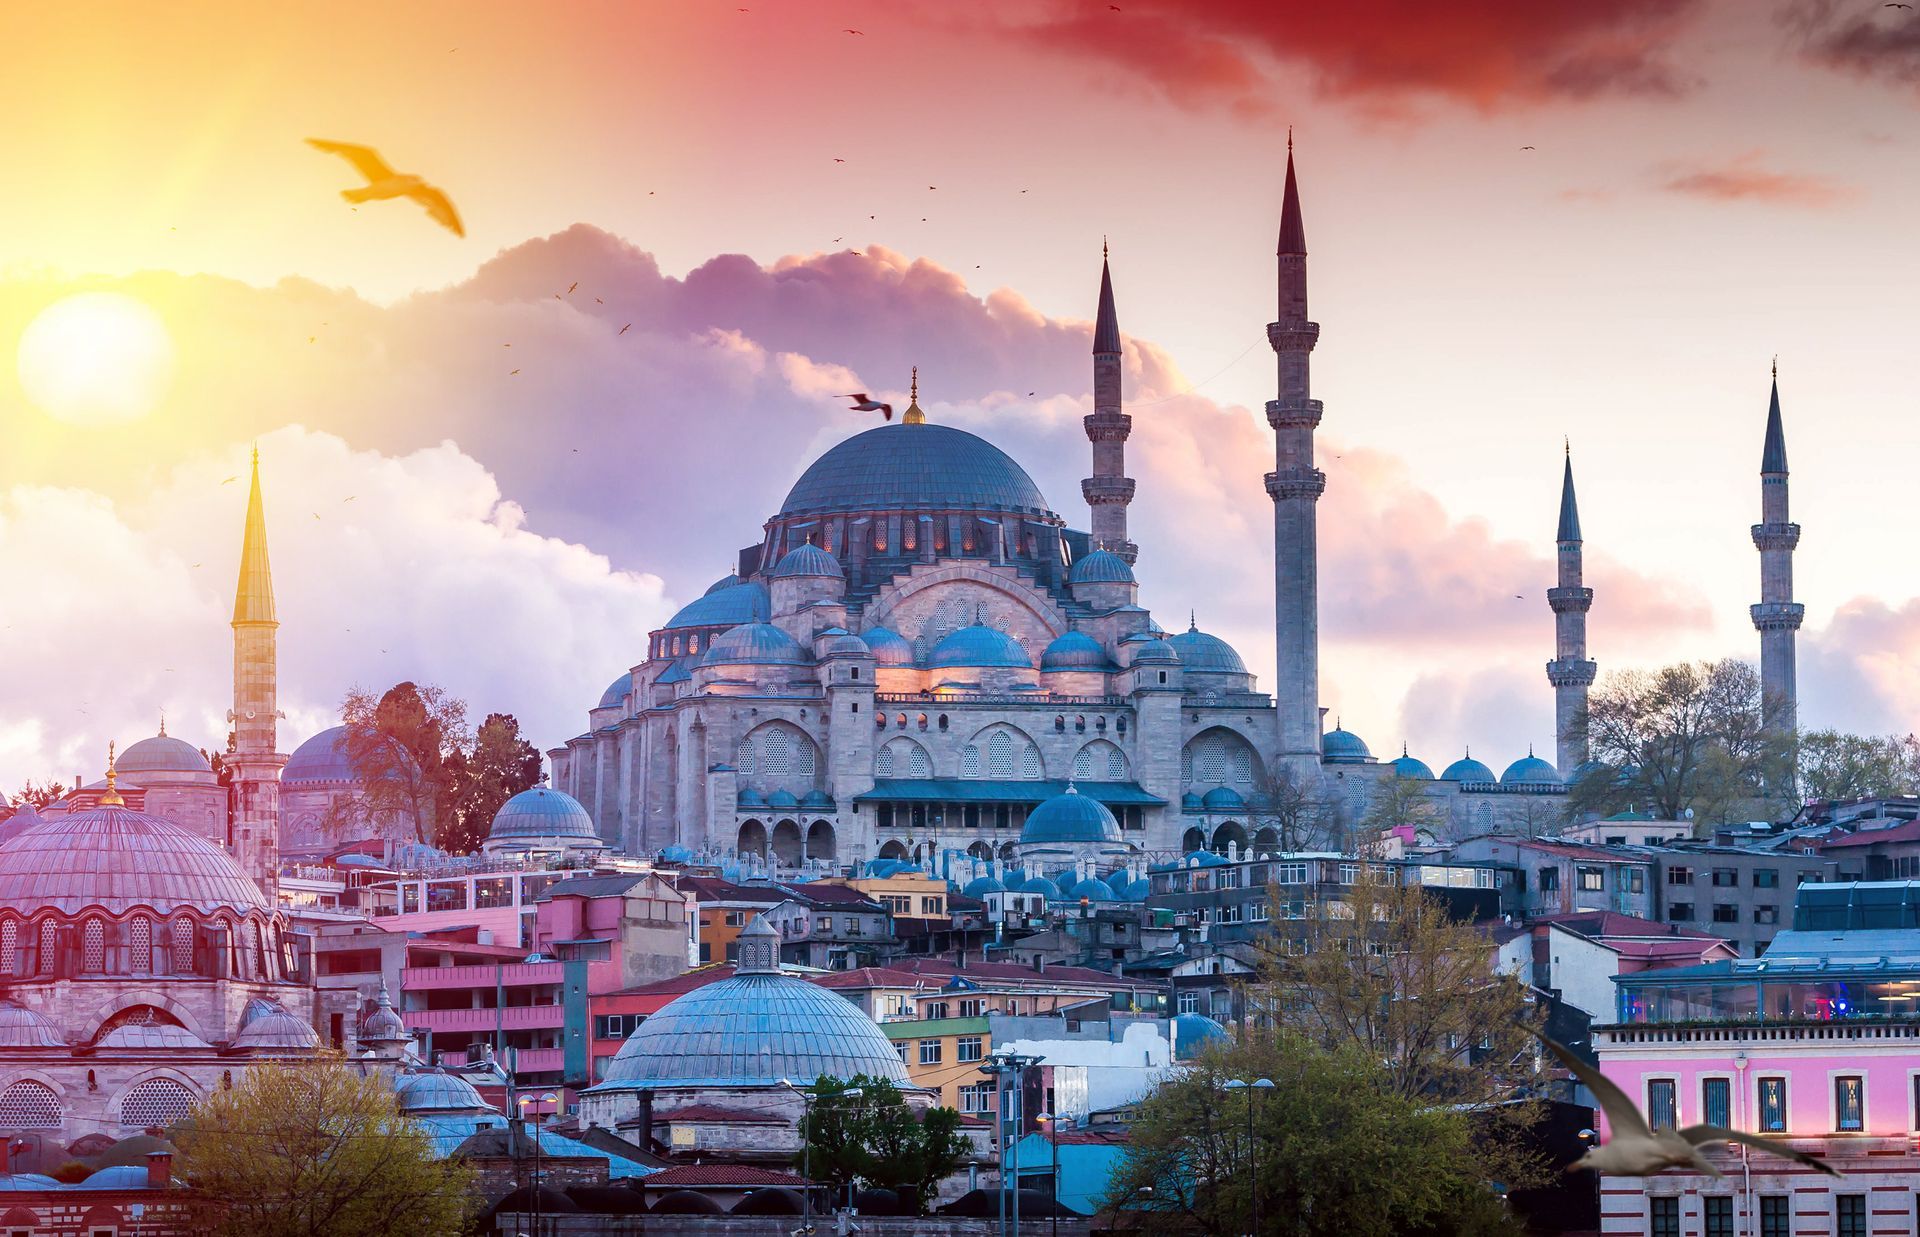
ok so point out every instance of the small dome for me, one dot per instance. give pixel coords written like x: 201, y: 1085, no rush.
x: 277, y: 1030
x: 119, y: 1177
x: 1091, y: 889
x: 1101, y: 567
x: 1042, y: 886
x: 979, y: 646
x: 845, y: 644
x: 1071, y: 817
x: 1203, y: 859
x: 115, y: 859
x: 1192, y: 1033
x: 383, y: 1025
x: 749, y: 797
x: 724, y: 582
x: 754, y: 644
x: 1408, y: 767
x: 1588, y: 769
x: 1191, y: 802
x: 161, y: 754
x: 542, y: 812
x: 1466, y: 769
x: 1154, y: 649
x: 807, y: 560
x: 1530, y: 770
x: 981, y: 886
x: 817, y: 798
x: 1223, y: 799
x: 21, y: 1027
x: 782, y: 798
x: 323, y: 758
x: 150, y: 1037
x: 1075, y: 650
x: 1201, y: 652
x: 438, y: 1091
x: 617, y: 692
x: 726, y: 605
x: 1343, y: 747
x: 889, y: 647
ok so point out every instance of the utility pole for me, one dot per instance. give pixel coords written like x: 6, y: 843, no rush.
x: 1001, y: 1066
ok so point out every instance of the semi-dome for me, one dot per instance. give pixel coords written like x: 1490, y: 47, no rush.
x: 1410, y: 767
x: 438, y: 1091
x: 150, y: 1037
x: 162, y: 754
x: 1101, y: 567
x: 1070, y: 817
x: 725, y: 605
x: 889, y: 647
x: 1208, y: 654
x: 915, y: 466
x: 1340, y: 746
x: 617, y: 692
x: 1075, y: 650
x: 979, y: 646
x: 21, y: 1027
x: 755, y: 1029
x: 323, y: 758
x: 542, y: 812
x: 807, y: 560
x: 278, y: 1029
x: 115, y: 859
x: 754, y: 644
x: 1530, y: 770
x: 1222, y: 799
x: 1466, y: 769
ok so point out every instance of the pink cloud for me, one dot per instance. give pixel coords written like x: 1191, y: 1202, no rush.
x: 1743, y: 179
x: 1861, y: 670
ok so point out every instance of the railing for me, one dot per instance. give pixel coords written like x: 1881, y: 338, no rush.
x: 509, y: 1017
x: 1038, y: 700
x: 1844, y: 1030
x: 511, y: 973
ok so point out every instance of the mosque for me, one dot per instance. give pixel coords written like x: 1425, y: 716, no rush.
x: 919, y: 652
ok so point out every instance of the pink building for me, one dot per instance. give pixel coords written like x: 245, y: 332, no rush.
x: 1817, y: 1042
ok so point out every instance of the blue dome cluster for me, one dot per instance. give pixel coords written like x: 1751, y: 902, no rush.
x: 1101, y: 567
x: 981, y: 647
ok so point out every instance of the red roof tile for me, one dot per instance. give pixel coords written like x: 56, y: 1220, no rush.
x: 1611, y: 924
x: 1909, y: 832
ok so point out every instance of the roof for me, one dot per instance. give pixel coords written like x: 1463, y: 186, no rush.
x: 116, y: 859
x: 686, y: 981
x: 253, y: 596
x: 322, y: 758
x: 593, y: 886
x: 1106, y: 324
x: 728, y: 606
x: 1613, y: 924
x: 1569, y: 508
x: 161, y: 754
x: 918, y: 467
x: 1908, y: 832
x: 986, y: 790
x: 717, y: 889
x: 1773, y: 456
x: 1293, y: 233
x: 542, y: 812
x: 683, y: 1175
x: 1072, y: 817
x: 1205, y: 653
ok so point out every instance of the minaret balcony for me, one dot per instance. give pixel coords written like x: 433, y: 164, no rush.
x: 1775, y: 536
x: 1294, y: 412
x: 1777, y: 615
x: 1308, y: 483
x: 1297, y: 335
x: 1570, y: 600
x: 1107, y: 491
x: 1572, y: 672
x: 1107, y: 426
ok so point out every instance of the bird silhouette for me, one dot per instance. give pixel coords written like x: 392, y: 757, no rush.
x: 598, y: 301
x: 1896, y: 6
x: 229, y: 481
x: 1526, y: 148
x: 851, y: 30
x: 383, y: 182
x: 572, y: 286
x: 623, y: 330
x: 862, y: 404
x: 838, y: 239
x: 510, y: 373
x: 839, y: 160
x: 1636, y: 1151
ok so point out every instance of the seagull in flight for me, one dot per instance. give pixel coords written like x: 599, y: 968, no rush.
x: 1636, y: 1151
x: 383, y: 182
x: 862, y: 404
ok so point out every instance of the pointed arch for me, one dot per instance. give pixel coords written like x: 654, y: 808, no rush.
x: 902, y: 757
x: 1100, y: 761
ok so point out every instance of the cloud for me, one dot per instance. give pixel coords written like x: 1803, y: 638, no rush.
x: 1744, y: 179
x: 1486, y: 54
x: 1499, y: 709
x: 1861, y: 671
x: 1873, y: 42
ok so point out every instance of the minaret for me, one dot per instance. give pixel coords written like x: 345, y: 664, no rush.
x: 1295, y: 486
x: 1109, y: 489
x: 1778, y: 615
x: 254, y: 828
x: 1570, y: 672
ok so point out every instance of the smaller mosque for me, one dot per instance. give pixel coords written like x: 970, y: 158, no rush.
x: 542, y: 823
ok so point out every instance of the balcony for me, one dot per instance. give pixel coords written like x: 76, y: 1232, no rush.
x: 513, y: 974
x: 511, y: 1018
x: 1727, y: 1036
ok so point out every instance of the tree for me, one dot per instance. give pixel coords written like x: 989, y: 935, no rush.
x: 1302, y: 817
x: 398, y: 745
x: 500, y: 766
x: 1685, y: 737
x: 38, y: 794
x: 1334, y: 1148
x: 875, y: 1140
x: 1838, y: 766
x: 1398, y: 802
x: 317, y: 1148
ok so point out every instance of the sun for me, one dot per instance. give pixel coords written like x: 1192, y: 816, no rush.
x: 96, y: 358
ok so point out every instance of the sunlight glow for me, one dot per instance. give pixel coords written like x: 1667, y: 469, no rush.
x: 97, y: 358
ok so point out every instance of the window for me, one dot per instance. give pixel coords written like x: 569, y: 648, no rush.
x: 1849, y: 1215
x: 1663, y: 1217
x: 976, y: 1097
x: 1679, y: 912
x: 154, y: 1104
x: 967, y: 1048
x: 9, y: 946
x: 1766, y: 914
x: 93, y: 945
x: 1726, y: 912
x: 736, y: 919
x: 1549, y: 880
x: 929, y: 906
x: 1715, y: 1101
x: 1766, y: 878
x: 1774, y: 1216
x: 29, y: 1105
x: 1290, y: 873
x: 900, y: 1046
x: 1717, y: 1211
x: 972, y: 1007
x: 1258, y: 911
x: 929, y: 1052
x: 182, y: 945
x: 1679, y: 876
x: 1189, y: 1002
x: 1660, y: 1103
x: 610, y: 1026
x: 1636, y: 879
x: 934, y: 1009
x: 1726, y: 878
x: 1593, y: 879
x: 823, y: 923
x: 1773, y: 1105
x: 1349, y: 873
x: 1849, y: 1104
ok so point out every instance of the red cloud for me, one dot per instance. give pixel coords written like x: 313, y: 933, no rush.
x: 1743, y: 179
x: 1873, y: 44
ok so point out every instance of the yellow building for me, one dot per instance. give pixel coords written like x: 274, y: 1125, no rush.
x: 908, y: 895
x: 944, y: 1055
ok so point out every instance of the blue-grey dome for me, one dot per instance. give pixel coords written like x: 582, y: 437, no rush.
x: 981, y: 886
x: 782, y: 798
x: 1203, y: 859
x: 726, y: 605
x: 889, y: 647
x: 1222, y: 799
x: 1075, y: 650
x: 162, y: 754
x: 114, y: 859
x: 1092, y: 889
x: 749, y: 797
x: 753, y: 1030
x: 1071, y: 817
x: 277, y: 1029
x: 1042, y: 886
x: 754, y: 644
x: 808, y: 560
x: 915, y: 466
x: 1192, y: 1033
x: 1101, y: 567
x: 1588, y: 769
x: 1530, y: 770
x: 118, y: 1177
x: 979, y: 646
x: 542, y: 812
x: 438, y: 1091
x: 617, y: 691
x: 1208, y: 654
x: 1154, y: 650
x: 21, y: 1027
x: 725, y: 581
x: 323, y: 758
x: 845, y: 644
x: 817, y: 798
x: 1343, y: 747
x: 1466, y: 769
x: 1409, y: 767
x: 1191, y: 802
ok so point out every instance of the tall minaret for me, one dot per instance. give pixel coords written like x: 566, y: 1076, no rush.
x: 1778, y: 615
x: 1109, y: 489
x: 1570, y: 672
x: 1295, y: 486
x: 254, y: 831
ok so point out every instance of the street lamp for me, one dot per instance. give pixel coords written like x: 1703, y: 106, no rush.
x: 1053, y: 1141
x: 806, y: 1145
x: 1253, y: 1090
x: 999, y: 1066
x: 548, y: 1098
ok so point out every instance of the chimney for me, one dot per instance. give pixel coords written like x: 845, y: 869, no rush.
x: 645, y: 1115
x: 159, y: 1170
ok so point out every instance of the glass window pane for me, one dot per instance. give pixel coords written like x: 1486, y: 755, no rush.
x: 1714, y: 1093
x: 1660, y: 1106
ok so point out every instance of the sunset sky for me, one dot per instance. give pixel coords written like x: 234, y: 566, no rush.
x: 1710, y: 184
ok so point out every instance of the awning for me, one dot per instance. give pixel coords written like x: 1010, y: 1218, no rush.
x: 980, y: 790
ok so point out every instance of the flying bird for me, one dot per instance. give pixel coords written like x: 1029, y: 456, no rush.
x: 1526, y: 148
x: 851, y: 30
x: 510, y: 373
x: 572, y: 286
x: 862, y: 404
x: 1896, y: 6
x: 598, y: 301
x: 623, y: 330
x: 1636, y: 1151
x: 839, y: 160
x: 229, y: 481
x: 383, y: 182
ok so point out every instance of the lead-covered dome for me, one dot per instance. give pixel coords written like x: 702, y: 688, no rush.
x: 1101, y: 567
x: 754, y: 644
x: 1341, y: 746
x: 542, y: 812
x: 915, y: 466
x: 1204, y: 653
x: 277, y: 1029
x: 808, y: 560
x: 1070, y: 817
x: 725, y: 605
x: 21, y: 1027
x: 438, y: 1092
x: 1466, y: 769
x: 1075, y: 650
x: 979, y: 646
x: 1530, y: 770
x: 617, y: 692
x: 116, y: 859
x: 323, y: 758
x: 888, y: 646
x: 162, y: 754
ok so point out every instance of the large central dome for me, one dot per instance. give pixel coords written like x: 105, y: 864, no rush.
x: 115, y: 859
x: 932, y: 466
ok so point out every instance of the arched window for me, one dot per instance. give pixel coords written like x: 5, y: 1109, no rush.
x: 879, y: 720
x: 1059, y: 725
x: 803, y: 759
x: 743, y: 763
x: 1213, y: 762
x: 693, y: 644
x: 970, y: 761
x: 154, y: 1104
x: 49, y: 944
x: 93, y: 945
x: 917, y: 762
x: 776, y: 754
x: 259, y: 950
x: 900, y: 720
x: 883, y: 762
x: 1000, y: 755
x: 1100, y: 724
x: 943, y: 722
x: 1080, y: 723
x: 9, y: 946
x: 1083, y: 764
x: 676, y: 646
x: 1120, y: 723
x: 29, y: 1105
x: 1186, y: 765
x: 1243, y: 766
x: 1030, y: 762
x: 182, y: 959
x: 923, y: 721
x: 140, y: 944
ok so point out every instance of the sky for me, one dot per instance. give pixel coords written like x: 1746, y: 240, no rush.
x: 1529, y: 225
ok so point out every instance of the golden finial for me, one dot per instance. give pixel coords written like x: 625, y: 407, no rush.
x: 112, y: 797
x: 913, y: 415
x: 163, y: 723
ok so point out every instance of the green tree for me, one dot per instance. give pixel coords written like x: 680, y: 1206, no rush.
x: 38, y: 794
x: 1849, y: 766
x: 316, y: 1149
x: 874, y: 1140
x: 398, y: 745
x: 500, y: 766
x: 1335, y: 1148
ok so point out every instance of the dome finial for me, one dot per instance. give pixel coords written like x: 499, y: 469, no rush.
x: 112, y: 797
x: 163, y: 723
x: 913, y: 415
x: 1071, y: 788
x: 1193, y: 622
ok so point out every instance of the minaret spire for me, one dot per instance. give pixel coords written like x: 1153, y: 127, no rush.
x: 1109, y: 489
x: 1778, y: 615
x: 1570, y: 672
x: 254, y: 824
x: 1295, y: 486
